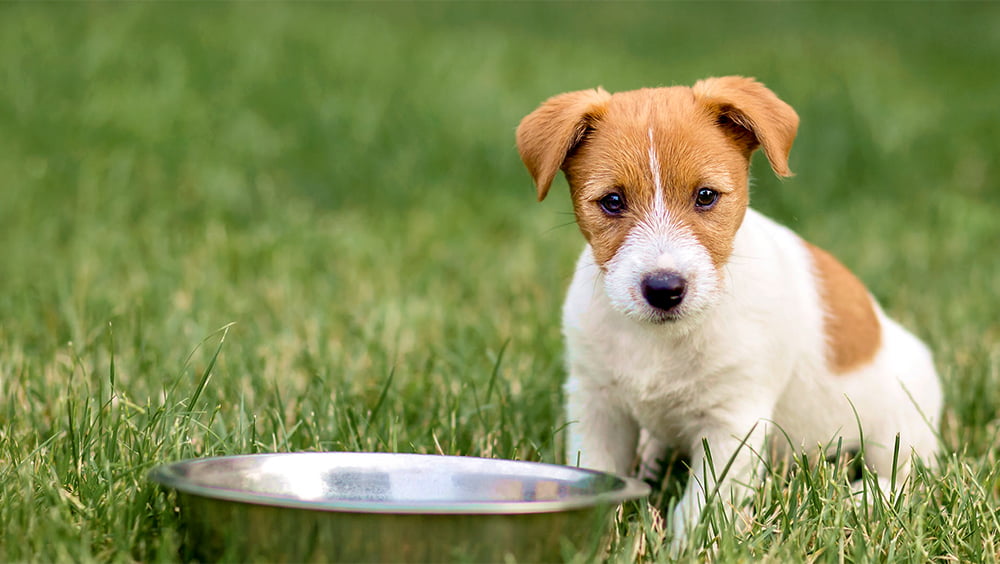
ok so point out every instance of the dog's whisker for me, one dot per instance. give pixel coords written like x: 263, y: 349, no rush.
x: 560, y: 226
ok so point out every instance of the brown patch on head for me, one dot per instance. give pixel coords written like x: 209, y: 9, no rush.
x: 853, y: 332
x: 670, y: 142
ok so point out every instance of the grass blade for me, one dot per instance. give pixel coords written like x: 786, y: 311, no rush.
x: 207, y: 373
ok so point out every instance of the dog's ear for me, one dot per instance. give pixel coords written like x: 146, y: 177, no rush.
x: 547, y: 135
x: 753, y: 115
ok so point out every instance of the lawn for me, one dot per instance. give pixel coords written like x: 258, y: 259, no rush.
x: 279, y: 227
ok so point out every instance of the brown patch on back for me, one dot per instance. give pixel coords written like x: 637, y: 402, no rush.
x: 853, y: 332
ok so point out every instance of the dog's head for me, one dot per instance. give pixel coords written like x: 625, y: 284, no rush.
x: 659, y: 181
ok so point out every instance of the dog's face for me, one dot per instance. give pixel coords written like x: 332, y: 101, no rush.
x: 659, y: 181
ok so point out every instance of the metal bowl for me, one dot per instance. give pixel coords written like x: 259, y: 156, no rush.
x: 391, y: 507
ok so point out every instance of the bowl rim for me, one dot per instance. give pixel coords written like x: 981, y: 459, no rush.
x: 170, y: 475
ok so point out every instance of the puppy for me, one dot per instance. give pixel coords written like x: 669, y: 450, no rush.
x: 701, y: 323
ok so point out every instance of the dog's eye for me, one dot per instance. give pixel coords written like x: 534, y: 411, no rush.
x: 705, y: 198
x: 612, y: 204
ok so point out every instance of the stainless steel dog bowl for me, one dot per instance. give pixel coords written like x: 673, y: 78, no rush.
x: 390, y: 507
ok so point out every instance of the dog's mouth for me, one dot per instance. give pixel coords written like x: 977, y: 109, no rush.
x: 660, y: 317
x: 685, y: 313
x: 642, y: 312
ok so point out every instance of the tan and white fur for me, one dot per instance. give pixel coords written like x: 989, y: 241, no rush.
x: 694, y: 320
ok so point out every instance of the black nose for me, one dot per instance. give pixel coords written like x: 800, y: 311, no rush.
x: 664, y: 290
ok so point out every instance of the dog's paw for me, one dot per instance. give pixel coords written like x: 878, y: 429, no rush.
x: 679, y: 532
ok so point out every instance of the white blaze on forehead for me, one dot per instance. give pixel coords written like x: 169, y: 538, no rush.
x: 666, y: 262
x: 654, y: 167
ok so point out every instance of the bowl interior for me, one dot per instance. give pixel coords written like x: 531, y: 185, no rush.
x: 394, y: 482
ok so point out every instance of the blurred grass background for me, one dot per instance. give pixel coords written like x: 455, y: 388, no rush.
x: 339, y: 182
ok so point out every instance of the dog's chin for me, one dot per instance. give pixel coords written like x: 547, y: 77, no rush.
x: 658, y: 317
x: 680, y: 319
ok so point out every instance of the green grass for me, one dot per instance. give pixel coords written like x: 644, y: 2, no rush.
x: 271, y: 227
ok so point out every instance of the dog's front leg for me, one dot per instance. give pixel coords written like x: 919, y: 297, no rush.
x: 724, y: 467
x: 602, y: 436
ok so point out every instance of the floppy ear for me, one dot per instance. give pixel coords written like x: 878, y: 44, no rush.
x: 547, y: 135
x: 753, y: 115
